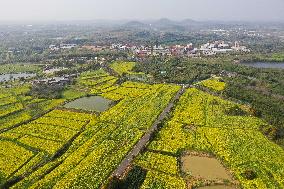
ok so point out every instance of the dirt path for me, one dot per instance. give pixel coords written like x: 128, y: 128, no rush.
x: 147, y: 136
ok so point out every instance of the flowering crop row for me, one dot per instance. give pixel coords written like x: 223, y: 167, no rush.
x: 96, y: 81
x: 30, y: 164
x: 122, y: 67
x: 6, y: 110
x: 17, y: 89
x: 93, y: 74
x: 68, y: 124
x: 77, y: 116
x: 19, y: 113
x: 105, y: 85
x: 49, y: 104
x: 131, y: 89
x: 12, y: 157
x: 158, y: 162
x: 14, y: 119
x: 158, y: 180
x: 13, y: 104
x: 7, y: 100
x: 44, y: 136
x: 130, y: 84
x: 131, y: 92
x: 214, y: 84
x: 47, y: 129
x: 113, y: 96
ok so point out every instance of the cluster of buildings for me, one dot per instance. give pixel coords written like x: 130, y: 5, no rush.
x: 61, y: 46
x: 63, y: 80
x: 94, y: 48
x: 142, y: 51
x: 221, y: 47
x: 53, y: 70
x: 207, y: 49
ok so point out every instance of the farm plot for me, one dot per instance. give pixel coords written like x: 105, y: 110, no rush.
x: 101, y: 83
x: 25, y: 146
x: 96, y: 152
x: 123, y: 67
x: 158, y: 162
x: 17, y: 68
x: 162, y: 171
x: 17, y: 107
x: 96, y: 81
x: 199, y: 124
x: 132, y: 90
x: 160, y: 180
x: 90, y: 83
x: 214, y: 84
x: 12, y: 157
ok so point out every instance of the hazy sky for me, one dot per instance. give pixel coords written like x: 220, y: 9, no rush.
x: 250, y: 10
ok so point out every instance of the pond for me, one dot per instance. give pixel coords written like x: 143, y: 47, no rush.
x: 93, y: 103
x: 8, y: 77
x: 275, y: 65
x: 204, y: 167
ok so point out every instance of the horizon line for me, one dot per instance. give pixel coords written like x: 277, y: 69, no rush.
x: 139, y: 20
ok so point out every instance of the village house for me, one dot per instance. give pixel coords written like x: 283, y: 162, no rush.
x: 63, y: 80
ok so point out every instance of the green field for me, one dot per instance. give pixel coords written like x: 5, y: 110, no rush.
x: 16, y: 106
x: 18, y: 68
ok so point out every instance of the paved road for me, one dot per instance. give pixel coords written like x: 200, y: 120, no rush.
x: 147, y: 136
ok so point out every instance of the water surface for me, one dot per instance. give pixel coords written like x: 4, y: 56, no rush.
x: 275, y: 65
x: 204, y: 167
x: 93, y: 103
x: 8, y: 77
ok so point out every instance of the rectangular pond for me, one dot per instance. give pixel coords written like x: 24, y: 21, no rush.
x: 92, y: 103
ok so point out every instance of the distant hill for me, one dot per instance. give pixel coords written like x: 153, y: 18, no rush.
x: 167, y: 24
x: 135, y: 24
x: 188, y: 22
x: 165, y: 21
x: 164, y: 24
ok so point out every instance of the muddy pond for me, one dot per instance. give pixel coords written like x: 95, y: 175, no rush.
x: 204, y: 167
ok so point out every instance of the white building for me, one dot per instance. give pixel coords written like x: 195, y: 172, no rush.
x: 67, y: 46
